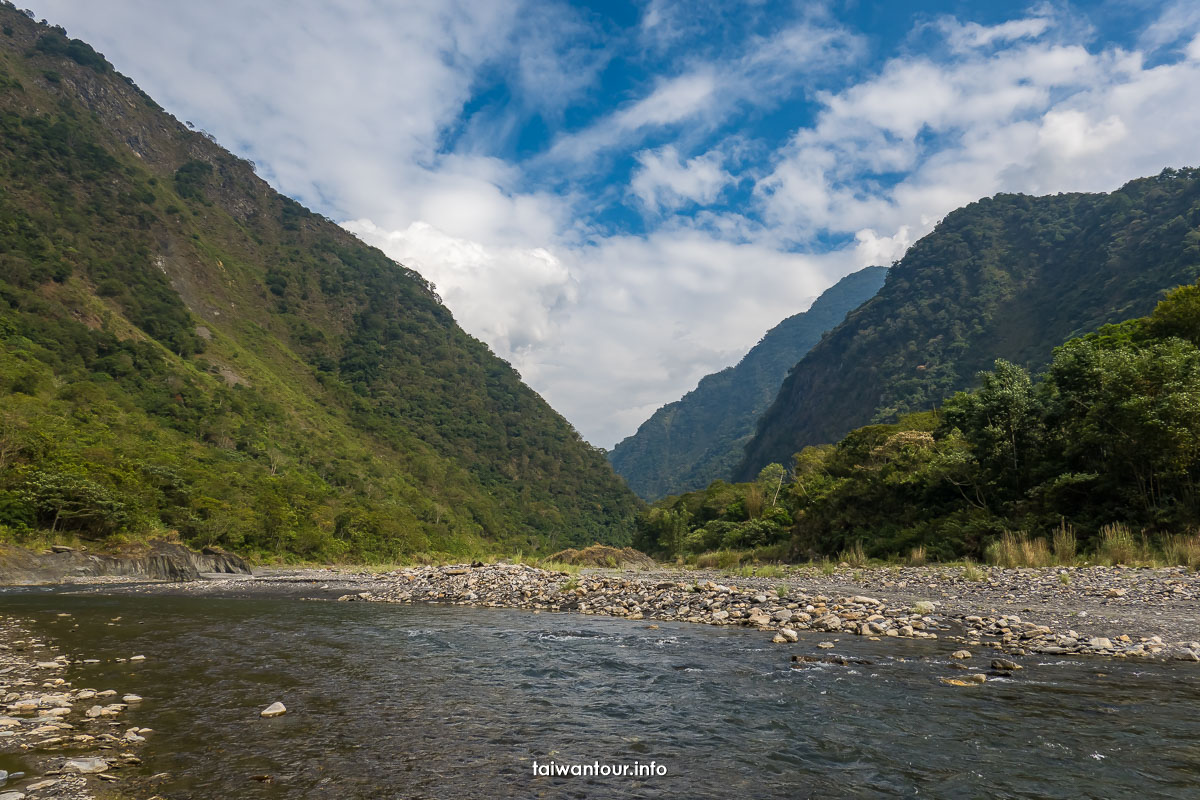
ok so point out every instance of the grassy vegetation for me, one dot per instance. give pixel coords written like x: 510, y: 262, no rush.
x: 183, y: 349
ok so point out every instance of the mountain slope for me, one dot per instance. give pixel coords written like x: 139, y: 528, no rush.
x: 700, y: 438
x: 182, y: 348
x: 1006, y: 277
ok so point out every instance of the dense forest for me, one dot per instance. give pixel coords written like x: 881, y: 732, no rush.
x: 1007, y: 277
x: 693, y: 441
x: 183, y: 349
x: 1105, y: 441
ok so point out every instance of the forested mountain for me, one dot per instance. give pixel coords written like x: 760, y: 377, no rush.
x: 182, y: 348
x: 1101, y: 453
x: 1007, y: 277
x: 700, y: 438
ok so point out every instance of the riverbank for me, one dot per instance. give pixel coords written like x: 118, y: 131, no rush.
x: 1110, y: 612
x: 56, y: 740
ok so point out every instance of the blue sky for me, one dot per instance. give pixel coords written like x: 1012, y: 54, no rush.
x: 620, y: 197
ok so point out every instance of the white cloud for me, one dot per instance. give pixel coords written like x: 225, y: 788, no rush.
x: 707, y: 94
x: 358, y: 110
x: 672, y: 101
x: 1179, y: 20
x: 657, y: 313
x: 900, y: 150
x: 971, y: 34
x: 663, y: 181
x: 506, y: 296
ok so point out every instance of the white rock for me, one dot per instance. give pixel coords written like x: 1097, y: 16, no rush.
x: 86, y: 765
x: 276, y: 709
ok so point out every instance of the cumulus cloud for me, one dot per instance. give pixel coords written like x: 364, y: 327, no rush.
x: 663, y: 181
x: 507, y: 296
x: 656, y: 313
x: 384, y: 115
x: 903, y: 148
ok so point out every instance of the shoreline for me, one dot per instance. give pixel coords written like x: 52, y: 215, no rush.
x: 70, y: 741
x: 1113, y: 612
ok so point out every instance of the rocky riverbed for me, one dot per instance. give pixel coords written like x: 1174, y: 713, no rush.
x: 1100, y: 611
x: 785, y: 611
x: 74, y: 741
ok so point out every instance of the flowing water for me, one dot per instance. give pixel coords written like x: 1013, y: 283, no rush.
x: 391, y: 701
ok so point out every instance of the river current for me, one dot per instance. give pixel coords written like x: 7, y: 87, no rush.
x: 392, y: 701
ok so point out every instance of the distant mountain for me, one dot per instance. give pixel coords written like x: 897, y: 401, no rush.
x: 1008, y: 277
x: 690, y: 443
x: 184, y: 349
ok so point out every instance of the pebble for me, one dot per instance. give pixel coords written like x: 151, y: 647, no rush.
x: 966, y: 611
x: 35, y: 720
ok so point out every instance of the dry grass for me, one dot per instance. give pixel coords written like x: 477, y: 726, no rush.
x: 916, y: 557
x: 854, y: 555
x: 1183, y: 550
x: 1118, y: 545
x: 1018, y: 550
x: 1064, y: 543
x: 599, y: 555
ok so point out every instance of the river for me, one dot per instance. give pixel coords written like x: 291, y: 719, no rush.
x: 388, y: 701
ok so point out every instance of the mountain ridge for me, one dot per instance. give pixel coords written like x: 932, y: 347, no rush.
x: 209, y: 357
x: 1010, y: 276
x: 692, y: 441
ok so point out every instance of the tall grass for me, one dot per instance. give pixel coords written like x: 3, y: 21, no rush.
x: 1118, y: 545
x: 1183, y: 550
x: 854, y: 555
x: 1018, y: 550
x: 1064, y: 543
x: 719, y: 559
x: 916, y: 557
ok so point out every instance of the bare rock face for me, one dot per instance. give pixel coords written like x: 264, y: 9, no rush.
x: 162, y: 561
